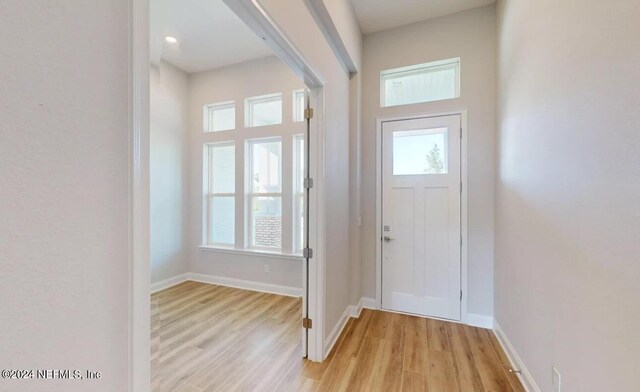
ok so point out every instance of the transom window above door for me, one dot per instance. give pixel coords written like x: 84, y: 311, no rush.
x: 435, y: 81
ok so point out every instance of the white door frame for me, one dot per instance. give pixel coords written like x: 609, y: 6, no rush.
x: 463, y: 201
x: 256, y: 17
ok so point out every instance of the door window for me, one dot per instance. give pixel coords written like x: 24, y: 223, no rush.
x: 422, y: 151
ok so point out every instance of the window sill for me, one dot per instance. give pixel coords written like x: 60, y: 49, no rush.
x: 251, y: 252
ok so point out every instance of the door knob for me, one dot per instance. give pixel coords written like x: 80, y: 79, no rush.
x: 388, y: 239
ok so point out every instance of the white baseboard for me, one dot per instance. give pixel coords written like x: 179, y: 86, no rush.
x: 364, y: 303
x: 228, y: 282
x: 165, y: 284
x: 289, y: 291
x: 479, y: 320
x: 355, y: 310
x: 525, y: 377
x: 369, y: 303
x: 337, y: 330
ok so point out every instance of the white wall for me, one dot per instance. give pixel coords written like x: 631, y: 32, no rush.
x: 568, y: 190
x: 169, y: 174
x: 237, y: 82
x: 471, y: 36
x: 344, y: 19
x: 64, y: 142
x: 307, y: 37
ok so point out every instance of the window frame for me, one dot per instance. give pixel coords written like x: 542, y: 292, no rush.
x: 250, y: 195
x: 207, y: 116
x: 210, y: 195
x: 298, y: 115
x: 298, y: 191
x: 417, y: 69
x: 248, y: 108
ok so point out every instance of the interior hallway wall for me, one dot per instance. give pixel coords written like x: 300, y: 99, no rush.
x: 568, y: 190
x: 169, y: 177
x: 64, y: 209
x: 469, y: 35
x: 298, y: 24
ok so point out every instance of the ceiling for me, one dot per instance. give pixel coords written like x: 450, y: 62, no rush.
x: 378, y: 15
x: 209, y: 35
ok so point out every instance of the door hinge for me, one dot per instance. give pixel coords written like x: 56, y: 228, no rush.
x: 460, y: 187
x: 307, y: 323
x: 308, y: 113
x: 460, y: 239
x: 460, y: 132
x: 307, y: 253
x: 308, y: 183
x: 460, y: 295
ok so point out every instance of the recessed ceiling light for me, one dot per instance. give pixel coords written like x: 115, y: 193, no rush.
x: 171, y: 40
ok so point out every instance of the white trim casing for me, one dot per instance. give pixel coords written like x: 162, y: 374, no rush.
x: 526, y: 379
x: 321, y: 15
x: 258, y: 19
x: 139, y: 377
x: 317, y: 264
x: 463, y: 201
x: 251, y: 252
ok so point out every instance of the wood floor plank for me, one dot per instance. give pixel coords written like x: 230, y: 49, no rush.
x: 186, y: 388
x: 355, y: 335
x: 415, y: 351
x: 337, y: 376
x: 211, y: 338
x: 378, y: 325
x: 389, y: 377
x: 467, y: 374
x: 441, y: 372
x: 437, y: 335
x: 506, y: 364
x: 316, y: 370
x: 294, y: 380
x: 491, y: 370
x: 367, y: 365
x: 414, y: 382
x: 514, y: 380
x: 502, y: 356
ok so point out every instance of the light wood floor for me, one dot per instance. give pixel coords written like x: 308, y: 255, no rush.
x: 213, y: 338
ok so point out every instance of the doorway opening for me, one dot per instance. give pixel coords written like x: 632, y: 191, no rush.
x: 234, y: 149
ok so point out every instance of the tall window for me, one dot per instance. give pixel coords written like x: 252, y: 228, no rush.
x: 221, y: 197
x: 420, y: 83
x: 263, y: 110
x: 298, y: 105
x: 298, y: 192
x: 265, y: 193
x: 220, y: 117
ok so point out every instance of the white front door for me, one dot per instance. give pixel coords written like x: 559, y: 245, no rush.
x: 421, y: 237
